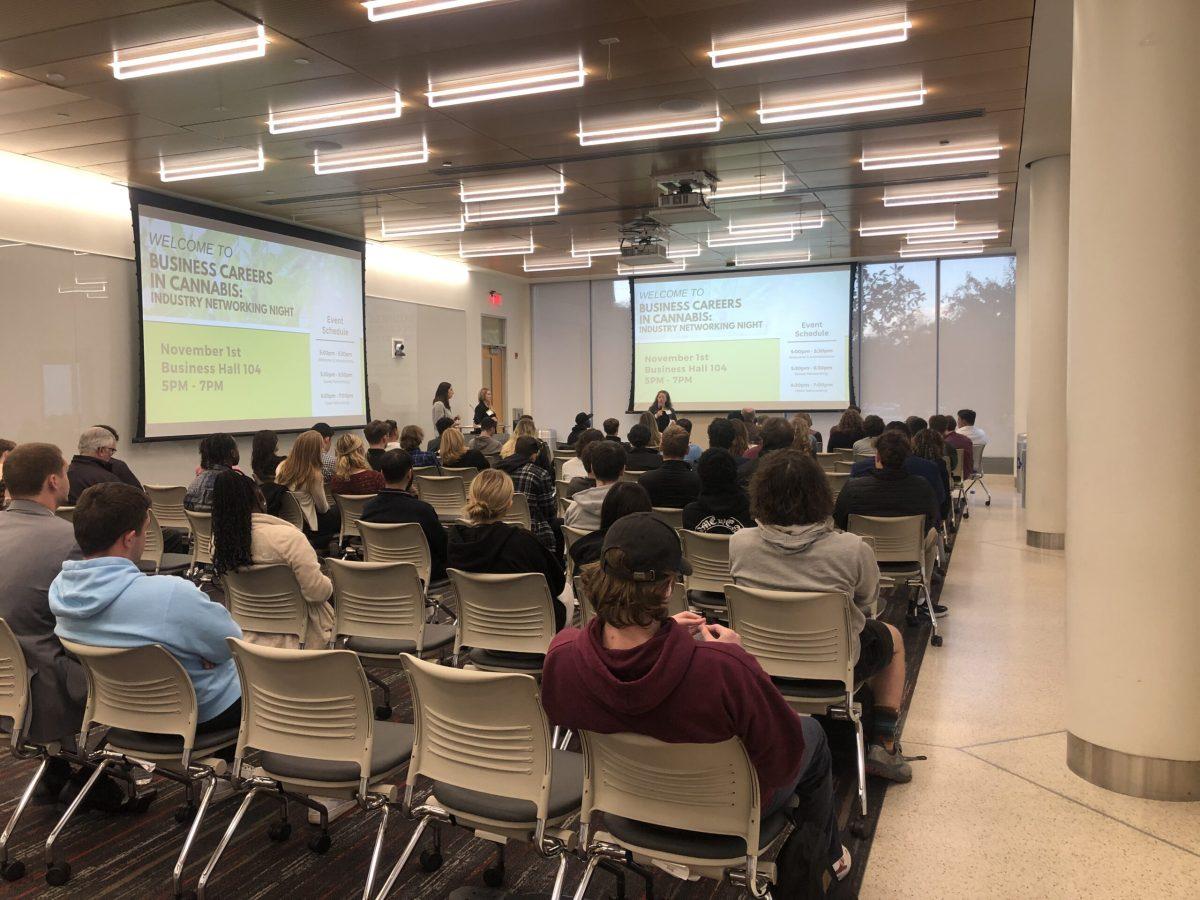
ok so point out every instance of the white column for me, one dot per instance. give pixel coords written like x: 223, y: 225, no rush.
x: 1133, y: 399
x: 1046, y: 463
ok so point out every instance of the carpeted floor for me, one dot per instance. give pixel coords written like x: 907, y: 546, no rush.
x: 133, y: 855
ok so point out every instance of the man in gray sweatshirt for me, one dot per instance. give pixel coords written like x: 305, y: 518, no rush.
x: 608, y: 463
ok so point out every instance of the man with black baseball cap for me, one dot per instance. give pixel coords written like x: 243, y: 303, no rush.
x: 675, y: 678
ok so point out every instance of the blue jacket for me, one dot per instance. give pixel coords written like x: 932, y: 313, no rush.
x: 108, y: 602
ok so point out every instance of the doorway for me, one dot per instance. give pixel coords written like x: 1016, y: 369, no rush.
x: 494, y: 359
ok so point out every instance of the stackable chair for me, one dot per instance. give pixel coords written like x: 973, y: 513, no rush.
x: 200, y: 524
x: 899, y: 543
x: 145, y: 698
x: 418, y: 471
x: 845, y: 454
x: 155, y: 558
x: 66, y: 513
x: 709, y: 556
x: 308, y: 713
x: 166, y: 502
x: 380, y: 614
x: 804, y: 641
x: 511, y: 615
x: 267, y: 599
x: 669, y: 514
x: 627, y: 475
x: 563, y: 502
x: 570, y: 536
x: 290, y: 510
x: 843, y: 466
x: 837, y: 481
x: 404, y: 542
x: 977, y: 474
x: 484, y: 742
x: 351, y: 507
x: 447, y: 494
x: 518, y: 513
x: 466, y: 473
x: 692, y: 810
x: 828, y: 461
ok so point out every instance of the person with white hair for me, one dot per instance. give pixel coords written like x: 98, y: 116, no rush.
x: 95, y: 462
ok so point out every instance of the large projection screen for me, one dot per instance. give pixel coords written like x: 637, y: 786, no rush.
x: 773, y: 340
x: 245, y: 323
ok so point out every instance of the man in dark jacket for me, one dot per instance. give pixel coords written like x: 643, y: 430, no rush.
x: 641, y: 457
x: 396, y: 504
x: 95, y: 463
x: 673, y: 484
x: 777, y: 434
x: 722, y: 507
x: 913, y: 465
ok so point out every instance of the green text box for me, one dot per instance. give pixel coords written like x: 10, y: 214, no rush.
x: 716, y: 371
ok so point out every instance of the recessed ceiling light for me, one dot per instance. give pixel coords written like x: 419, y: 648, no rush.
x: 372, y: 158
x: 539, y: 80
x: 927, y: 225
x: 932, y: 156
x: 190, y: 53
x: 415, y: 228
x: 964, y: 233
x: 750, y: 187
x: 652, y: 130
x: 844, y: 104
x: 499, y: 248
x: 476, y: 190
x: 963, y: 191
x: 498, y: 211
x: 806, y: 41
x: 56, y: 77
x: 211, y: 165
x: 351, y: 112
x: 773, y: 259
x: 555, y: 263
x: 302, y: 60
x: 447, y: 164
x: 383, y: 10
x: 965, y: 250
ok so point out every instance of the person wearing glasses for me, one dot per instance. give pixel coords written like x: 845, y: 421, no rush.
x: 95, y: 462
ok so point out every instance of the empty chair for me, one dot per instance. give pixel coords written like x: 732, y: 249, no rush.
x: 518, y: 513
x: 837, y: 481
x: 445, y: 493
x: 899, y: 543
x: 308, y: 713
x: 290, y: 510
x: 977, y: 473
x: 426, y: 470
x: 66, y: 513
x: 144, y: 697
x: 166, y: 501
x: 709, y: 556
x: 201, y: 528
x: 506, y: 620
x: 154, y: 557
x: 692, y: 808
x: 467, y: 474
x: 828, y: 461
x: 350, y: 506
x: 670, y: 515
x: 267, y: 599
x: 485, y: 744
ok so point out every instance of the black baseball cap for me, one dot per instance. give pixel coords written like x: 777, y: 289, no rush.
x: 583, y: 419
x: 651, y: 548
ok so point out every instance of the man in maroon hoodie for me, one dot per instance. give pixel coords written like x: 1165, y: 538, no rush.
x: 636, y: 669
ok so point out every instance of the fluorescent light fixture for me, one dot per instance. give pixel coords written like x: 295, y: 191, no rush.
x: 775, y: 235
x: 965, y: 250
x: 211, y: 165
x: 931, y: 156
x: 352, y: 112
x: 529, y: 208
x: 444, y: 225
x: 931, y: 225
x: 982, y: 233
x: 190, y: 53
x: 610, y: 247
x: 964, y: 191
x: 92, y: 290
x: 4, y: 245
x: 540, y: 80
x: 555, y: 263
x: 623, y: 269
x: 797, y: 222
x: 772, y: 259
x: 826, y: 38
x: 682, y: 250
x: 752, y: 187
x: 383, y: 10
x: 500, y: 248
x: 648, y: 131
x: 841, y: 104
x: 488, y: 189
x: 376, y: 158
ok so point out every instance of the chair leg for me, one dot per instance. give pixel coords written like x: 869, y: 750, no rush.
x: 593, y: 861
x: 375, y: 854
x: 861, y: 754
x: 14, y: 870
x: 66, y: 817
x: 225, y: 838
x: 400, y: 863
x: 566, y: 739
x: 177, y: 876
x: 561, y: 876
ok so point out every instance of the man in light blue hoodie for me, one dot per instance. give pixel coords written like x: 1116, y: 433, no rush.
x: 104, y: 600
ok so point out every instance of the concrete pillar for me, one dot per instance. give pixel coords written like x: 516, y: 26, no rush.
x: 1046, y: 471
x: 1133, y: 399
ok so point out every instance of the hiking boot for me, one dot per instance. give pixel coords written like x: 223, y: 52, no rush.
x: 891, y: 766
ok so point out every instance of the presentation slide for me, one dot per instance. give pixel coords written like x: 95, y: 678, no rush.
x: 772, y: 340
x: 246, y: 328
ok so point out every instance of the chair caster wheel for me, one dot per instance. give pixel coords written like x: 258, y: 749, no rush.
x: 185, y: 814
x: 383, y: 713
x: 13, y: 870
x: 494, y: 877
x: 431, y: 860
x: 861, y: 829
x: 58, y: 874
x: 320, y: 844
x: 280, y: 831
x: 139, y: 805
x: 987, y: 502
x: 936, y: 640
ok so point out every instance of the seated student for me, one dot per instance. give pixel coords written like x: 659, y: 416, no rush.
x: 6, y: 447
x: 354, y: 474
x: 722, y: 507
x: 244, y: 535
x: 376, y: 435
x: 777, y: 434
x: 815, y: 435
x: 410, y: 443
x: 440, y: 427
x: 872, y: 429
x: 741, y: 439
x: 929, y: 445
x: 583, y: 421
x: 673, y: 484
x: 453, y: 452
x: 959, y: 444
x: 485, y: 442
x: 803, y: 438
x: 607, y: 462
x: 914, y: 465
x: 623, y: 499
x: 915, y: 425
x: 95, y: 463
x: 641, y: 457
x: 651, y: 425
x: 574, y: 467
x: 750, y: 420
x: 796, y: 548
x: 218, y: 453
x: 611, y: 427
x: 328, y: 456
x: 966, y: 427
x: 635, y: 669
x: 525, y: 427
x: 301, y: 474
x: 396, y: 504
x: 722, y: 436
x: 105, y: 600
x: 848, y: 430
x: 537, y: 485
x: 264, y: 462
x: 393, y: 436
x: 693, y: 454
x: 488, y: 544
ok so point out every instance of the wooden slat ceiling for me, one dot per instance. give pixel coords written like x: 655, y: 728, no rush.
x: 59, y: 102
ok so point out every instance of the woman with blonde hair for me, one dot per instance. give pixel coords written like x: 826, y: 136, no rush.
x: 353, y: 474
x: 486, y: 543
x: 803, y: 441
x: 453, y: 452
x: 301, y: 474
x: 526, y: 428
x: 651, y: 424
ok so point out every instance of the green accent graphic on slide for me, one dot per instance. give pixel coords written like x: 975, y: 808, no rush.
x: 716, y: 371
x: 202, y: 373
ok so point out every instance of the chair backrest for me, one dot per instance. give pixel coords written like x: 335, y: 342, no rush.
x: 587, y: 611
x: 314, y: 704
x: 154, y: 542
x: 14, y: 683
x: 707, y: 788
x: 308, y: 508
x: 518, y: 513
x: 66, y: 513
x: 896, y: 538
x: 560, y: 488
x: 511, y: 613
x: 842, y: 466
x: 267, y: 599
x: 466, y: 473
x: 837, y: 481
x: 201, y: 526
x: 632, y: 477
x: 397, y: 542
x: 977, y: 457
x: 290, y: 510
x: 795, y: 634
x: 709, y: 556
x: 557, y: 464
x: 828, y: 461
x: 677, y: 602
x: 956, y: 470
x: 570, y: 535
x: 418, y: 471
x: 351, y: 507
x: 670, y: 515
x: 378, y: 600
x: 846, y: 454
x: 447, y: 494
x: 564, y: 503
x: 166, y: 500
x: 480, y: 731
x: 137, y: 689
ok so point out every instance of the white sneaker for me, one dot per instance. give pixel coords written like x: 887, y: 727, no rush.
x: 335, y: 808
x: 841, y: 868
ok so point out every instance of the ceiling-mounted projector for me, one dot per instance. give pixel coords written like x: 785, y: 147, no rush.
x: 643, y: 243
x: 682, y: 198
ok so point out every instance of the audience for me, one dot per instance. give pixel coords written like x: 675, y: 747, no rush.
x: 301, y: 473
x: 440, y: 426
x: 525, y: 427
x: 804, y: 439
x: 607, y: 462
x: 816, y: 435
x: 623, y: 499
x: 611, y: 428
x: 848, y: 430
x: 218, y: 453
x: 872, y: 429
x: 915, y: 425
x: 410, y: 442
x: 376, y: 435
x: 741, y: 439
x: 483, y: 409
x: 244, y: 535
x: 750, y: 420
x: 796, y: 548
x: 393, y: 435
x: 488, y: 544
x: 264, y: 462
x: 673, y: 484
x: 354, y: 474
x: 966, y: 427
x: 914, y: 465
x: 722, y: 506
x: 583, y: 421
x: 956, y: 444
x: 396, y: 504
x: 95, y: 463
x: 537, y: 484
x: 694, y: 451
x: 485, y: 442
x: 328, y: 456
x: 641, y: 457
x: 929, y: 445
x: 574, y: 467
x: 635, y: 669
x: 650, y: 423
x: 453, y: 452
x: 777, y: 434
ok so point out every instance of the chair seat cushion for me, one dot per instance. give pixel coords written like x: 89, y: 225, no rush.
x: 437, y: 635
x: 691, y: 843
x: 566, y: 794
x: 711, y: 599
x: 145, y: 742
x: 392, y: 747
x: 900, y: 568
x: 810, y: 688
x: 517, y: 662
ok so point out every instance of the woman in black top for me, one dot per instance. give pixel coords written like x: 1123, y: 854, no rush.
x: 661, y: 409
x: 848, y: 430
x: 483, y: 409
x: 583, y: 421
x: 722, y: 507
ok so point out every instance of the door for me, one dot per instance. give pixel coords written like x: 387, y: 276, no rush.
x: 493, y: 359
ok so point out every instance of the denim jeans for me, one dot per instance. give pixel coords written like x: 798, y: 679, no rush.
x: 814, y: 787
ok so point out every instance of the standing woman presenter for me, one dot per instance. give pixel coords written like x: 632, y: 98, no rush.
x: 441, y: 403
x: 661, y: 409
